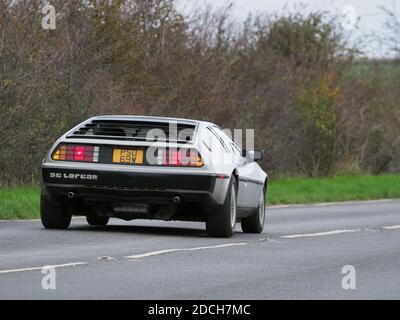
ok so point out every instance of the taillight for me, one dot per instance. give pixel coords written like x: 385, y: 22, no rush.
x: 72, y: 152
x: 179, y: 157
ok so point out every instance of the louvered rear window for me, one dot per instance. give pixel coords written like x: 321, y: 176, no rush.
x: 135, y: 130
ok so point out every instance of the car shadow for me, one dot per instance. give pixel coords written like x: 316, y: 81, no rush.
x: 145, y: 230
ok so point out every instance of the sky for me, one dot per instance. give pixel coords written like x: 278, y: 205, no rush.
x: 360, y: 18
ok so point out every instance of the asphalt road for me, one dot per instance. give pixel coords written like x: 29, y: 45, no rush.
x: 300, y: 255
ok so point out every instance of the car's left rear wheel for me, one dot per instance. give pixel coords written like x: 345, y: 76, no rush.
x: 54, y: 215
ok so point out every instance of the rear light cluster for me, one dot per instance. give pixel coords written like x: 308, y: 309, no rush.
x: 70, y: 152
x: 179, y: 158
x: 172, y: 157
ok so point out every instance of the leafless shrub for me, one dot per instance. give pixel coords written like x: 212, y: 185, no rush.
x: 315, y: 108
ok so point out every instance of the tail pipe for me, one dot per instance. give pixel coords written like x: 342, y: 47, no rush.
x: 71, y: 195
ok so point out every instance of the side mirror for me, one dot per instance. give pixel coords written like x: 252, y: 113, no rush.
x: 255, y: 155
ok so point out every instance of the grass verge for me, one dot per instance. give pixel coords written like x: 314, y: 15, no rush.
x: 23, y: 202
x: 331, y: 189
x: 19, y: 203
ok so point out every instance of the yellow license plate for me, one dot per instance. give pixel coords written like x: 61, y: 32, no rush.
x: 129, y: 156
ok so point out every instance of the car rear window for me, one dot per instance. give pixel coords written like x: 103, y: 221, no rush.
x: 135, y: 130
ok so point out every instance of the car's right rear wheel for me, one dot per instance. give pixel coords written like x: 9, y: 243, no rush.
x: 53, y: 214
x: 221, y: 222
x: 94, y: 220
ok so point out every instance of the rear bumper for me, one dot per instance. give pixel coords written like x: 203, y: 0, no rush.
x: 129, y: 180
x: 110, y: 186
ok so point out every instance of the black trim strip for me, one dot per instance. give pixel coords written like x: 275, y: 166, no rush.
x: 196, y: 182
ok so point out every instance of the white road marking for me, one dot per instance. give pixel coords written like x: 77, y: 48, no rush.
x: 391, y: 227
x: 156, y: 253
x: 318, y: 234
x: 323, y: 204
x: 283, y: 206
x: 73, y: 264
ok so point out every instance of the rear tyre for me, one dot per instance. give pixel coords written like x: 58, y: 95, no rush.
x: 97, y: 221
x: 53, y: 215
x: 221, y: 222
x: 255, y: 223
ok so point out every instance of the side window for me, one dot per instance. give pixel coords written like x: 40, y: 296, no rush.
x: 208, y: 139
x: 221, y: 141
x: 236, y: 149
x: 229, y: 141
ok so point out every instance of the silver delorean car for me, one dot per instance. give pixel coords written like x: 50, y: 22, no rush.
x: 137, y: 167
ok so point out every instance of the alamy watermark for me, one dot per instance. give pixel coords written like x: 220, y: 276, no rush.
x: 349, y: 280
x: 49, y: 278
x: 225, y: 145
x: 49, y: 20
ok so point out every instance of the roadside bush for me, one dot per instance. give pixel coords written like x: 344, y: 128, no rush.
x: 316, y: 108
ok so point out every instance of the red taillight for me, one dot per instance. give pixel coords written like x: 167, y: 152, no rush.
x: 172, y: 158
x: 179, y: 158
x: 79, y: 154
x: 72, y: 152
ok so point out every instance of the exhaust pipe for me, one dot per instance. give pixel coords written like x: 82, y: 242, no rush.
x: 176, y: 199
x: 71, y: 195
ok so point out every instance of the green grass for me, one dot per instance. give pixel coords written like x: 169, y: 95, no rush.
x: 23, y: 202
x: 19, y: 203
x: 340, y: 188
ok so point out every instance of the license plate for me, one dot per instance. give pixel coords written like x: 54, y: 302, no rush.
x: 128, y: 156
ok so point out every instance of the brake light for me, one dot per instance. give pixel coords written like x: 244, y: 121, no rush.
x: 72, y: 152
x: 179, y: 158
